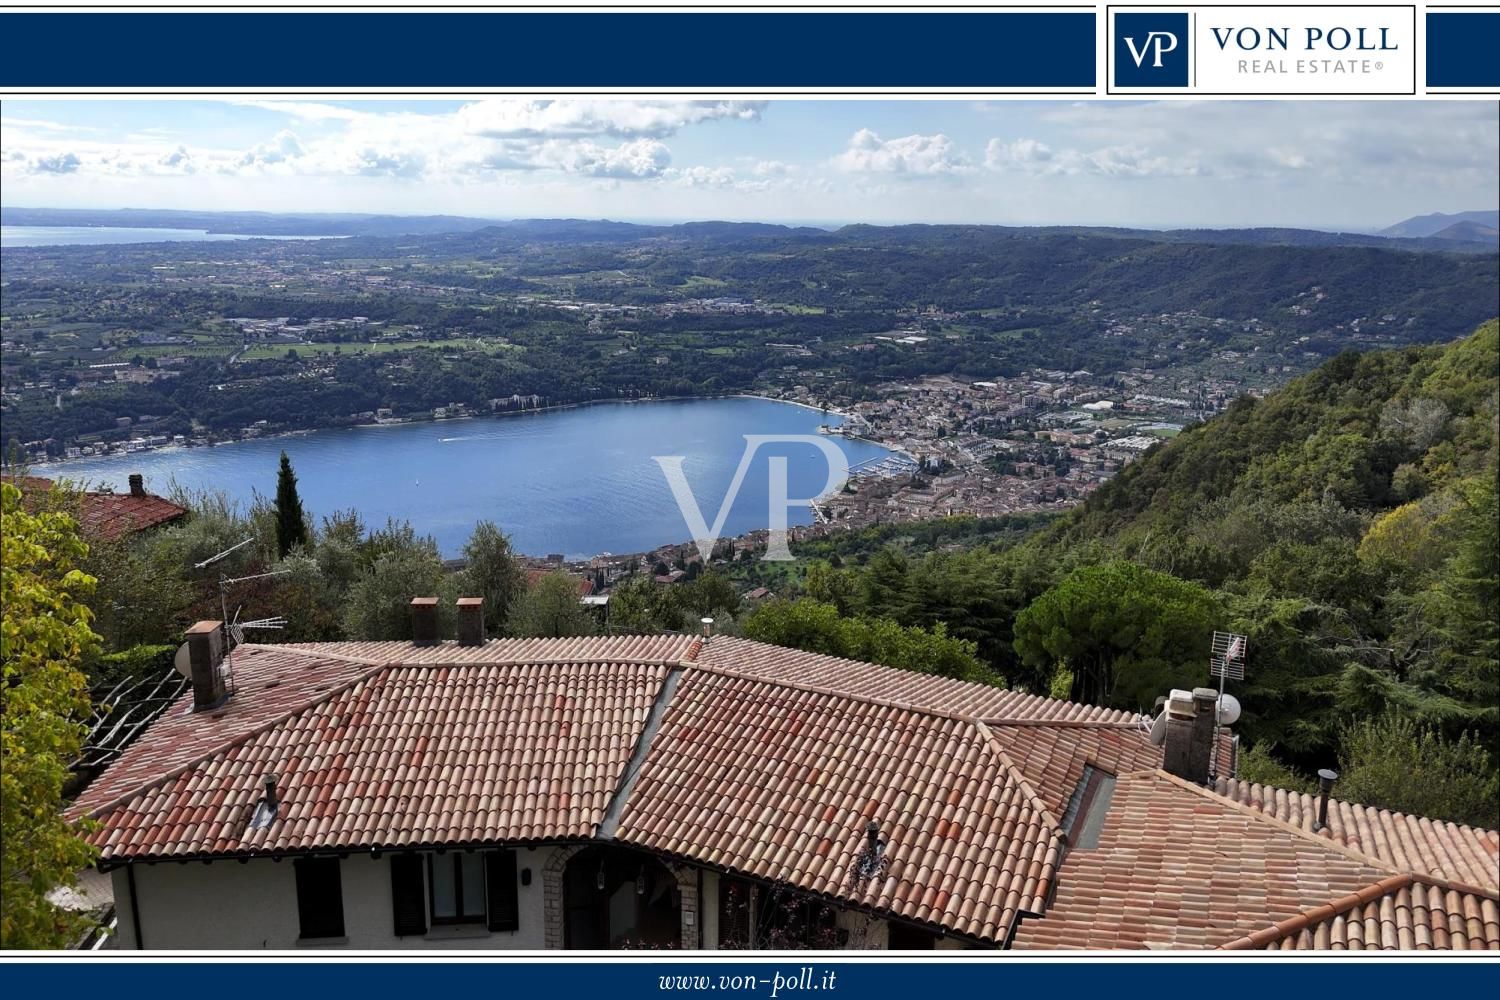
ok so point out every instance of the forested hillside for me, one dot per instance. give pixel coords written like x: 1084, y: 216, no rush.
x: 1346, y: 524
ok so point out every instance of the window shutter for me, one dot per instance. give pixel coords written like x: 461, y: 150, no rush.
x: 320, y: 897
x: 500, y: 891
x: 408, y: 900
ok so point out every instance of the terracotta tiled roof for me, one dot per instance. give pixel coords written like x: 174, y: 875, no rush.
x: 274, y: 684
x: 938, y: 694
x: 392, y: 744
x: 1053, y: 755
x: 400, y: 755
x: 1413, y: 843
x: 1179, y: 866
x: 113, y: 515
x: 779, y: 782
x: 770, y: 763
x: 1397, y: 913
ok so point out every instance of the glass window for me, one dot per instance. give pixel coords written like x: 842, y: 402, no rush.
x: 457, y: 888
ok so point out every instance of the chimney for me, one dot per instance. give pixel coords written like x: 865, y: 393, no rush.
x: 205, y: 642
x: 137, y: 484
x: 424, y: 621
x: 1326, y: 778
x: 1201, y: 755
x: 269, y: 783
x: 471, y: 621
x: 1177, y: 749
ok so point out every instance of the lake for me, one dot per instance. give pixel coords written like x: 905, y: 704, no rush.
x: 579, y: 481
x: 64, y: 236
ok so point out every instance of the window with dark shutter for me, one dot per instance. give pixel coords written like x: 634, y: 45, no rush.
x: 500, y: 891
x: 408, y: 894
x: 320, y: 897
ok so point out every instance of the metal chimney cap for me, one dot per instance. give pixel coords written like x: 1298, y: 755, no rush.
x: 1327, y: 775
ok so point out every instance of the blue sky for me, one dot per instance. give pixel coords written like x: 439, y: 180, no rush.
x: 1352, y: 164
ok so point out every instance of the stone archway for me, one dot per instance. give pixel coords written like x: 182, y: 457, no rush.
x: 615, y: 897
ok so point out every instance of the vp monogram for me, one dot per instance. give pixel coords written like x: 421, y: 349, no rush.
x: 1157, y: 44
x: 777, y: 501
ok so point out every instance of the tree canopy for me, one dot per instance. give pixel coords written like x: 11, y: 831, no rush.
x: 43, y: 701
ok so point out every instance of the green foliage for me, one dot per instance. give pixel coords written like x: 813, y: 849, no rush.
x: 818, y: 628
x: 492, y: 573
x: 550, y: 609
x: 44, y: 637
x: 642, y: 606
x: 1259, y: 764
x: 1127, y: 633
x: 378, y: 605
x: 147, y: 660
x: 291, y: 523
x: 1396, y: 763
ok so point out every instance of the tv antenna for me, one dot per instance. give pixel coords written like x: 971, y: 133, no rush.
x: 1226, y: 662
x: 235, y: 627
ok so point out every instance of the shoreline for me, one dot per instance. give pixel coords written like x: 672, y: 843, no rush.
x: 381, y: 424
x: 57, y: 468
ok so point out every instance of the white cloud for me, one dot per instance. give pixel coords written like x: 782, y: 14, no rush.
x: 60, y: 163
x: 1023, y: 153
x: 708, y: 177
x: 1035, y: 157
x: 509, y: 119
x: 911, y: 155
x: 284, y: 146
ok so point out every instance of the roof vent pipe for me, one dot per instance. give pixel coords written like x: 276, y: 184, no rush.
x: 270, y: 785
x: 708, y: 627
x: 1326, y: 778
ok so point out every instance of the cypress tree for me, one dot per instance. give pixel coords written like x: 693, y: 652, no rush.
x: 291, y: 528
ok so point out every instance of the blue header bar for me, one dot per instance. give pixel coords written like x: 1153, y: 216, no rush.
x: 708, y: 51
x: 1463, y: 49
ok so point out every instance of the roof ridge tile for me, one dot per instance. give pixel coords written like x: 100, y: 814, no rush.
x: 1318, y: 914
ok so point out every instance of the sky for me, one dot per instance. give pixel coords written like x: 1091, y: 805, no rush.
x: 1357, y: 165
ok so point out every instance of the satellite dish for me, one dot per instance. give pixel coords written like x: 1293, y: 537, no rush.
x: 183, y: 662
x: 1159, y: 730
x: 1229, y: 709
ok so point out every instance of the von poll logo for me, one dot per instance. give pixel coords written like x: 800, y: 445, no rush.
x: 1151, y: 50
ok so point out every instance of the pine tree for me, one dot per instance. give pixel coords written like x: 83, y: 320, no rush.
x: 291, y: 526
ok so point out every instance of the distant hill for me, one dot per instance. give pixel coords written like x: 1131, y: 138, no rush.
x: 246, y: 223
x: 1469, y: 232
x: 1447, y: 233
x: 1438, y: 224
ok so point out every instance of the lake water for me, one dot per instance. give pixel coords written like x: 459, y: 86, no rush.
x: 578, y: 481
x: 63, y: 236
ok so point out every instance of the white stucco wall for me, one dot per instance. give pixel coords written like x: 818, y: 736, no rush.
x: 254, y: 905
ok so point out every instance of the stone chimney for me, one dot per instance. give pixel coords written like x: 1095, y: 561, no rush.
x: 1204, y: 725
x: 424, y: 621
x: 1179, y: 740
x: 1188, y: 750
x: 137, y: 484
x: 205, y: 642
x: 471, y: 621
